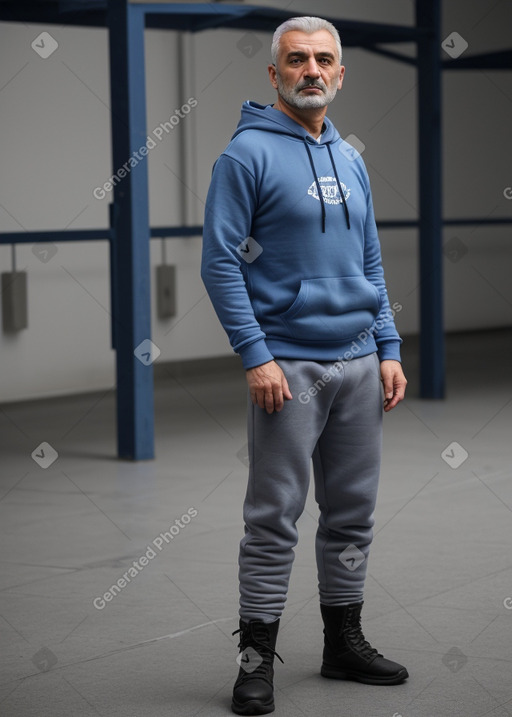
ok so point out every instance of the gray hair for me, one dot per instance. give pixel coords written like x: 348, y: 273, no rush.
x: 307, y: 25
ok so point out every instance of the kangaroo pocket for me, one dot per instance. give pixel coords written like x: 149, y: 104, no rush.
x: 332, y: 309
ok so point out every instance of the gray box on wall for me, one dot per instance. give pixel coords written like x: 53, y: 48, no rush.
x: 14, y: 301
x: 166, y: 291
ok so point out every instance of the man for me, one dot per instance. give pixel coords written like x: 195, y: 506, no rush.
x: 291, y: 261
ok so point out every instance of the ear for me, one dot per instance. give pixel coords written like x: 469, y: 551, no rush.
x: 342, y: 74
x: 272, y: 75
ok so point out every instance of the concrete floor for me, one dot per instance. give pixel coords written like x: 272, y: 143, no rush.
x: 439, y: 590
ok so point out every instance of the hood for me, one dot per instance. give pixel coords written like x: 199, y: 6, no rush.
x: 266, y: 118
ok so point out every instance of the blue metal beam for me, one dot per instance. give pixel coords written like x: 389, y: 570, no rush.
x: 57, y: 235
x: 432, y: 342
x: 195, y: 17
x: 500, y: 60
x: 131, y: 295
x: 398, y: 56
x: 48, y: 236
x: 65, y: 235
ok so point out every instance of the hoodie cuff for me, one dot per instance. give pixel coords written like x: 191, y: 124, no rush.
x: 390, y: 351
x: 255, y: 354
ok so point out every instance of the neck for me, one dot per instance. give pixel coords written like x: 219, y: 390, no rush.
x: 311, y: 119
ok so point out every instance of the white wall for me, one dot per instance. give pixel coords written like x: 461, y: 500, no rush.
x: 55, y: 149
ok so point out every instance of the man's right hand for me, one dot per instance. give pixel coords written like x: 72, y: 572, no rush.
x: 268, y: 386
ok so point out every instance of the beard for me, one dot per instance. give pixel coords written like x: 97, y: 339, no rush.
x: 293, y: 96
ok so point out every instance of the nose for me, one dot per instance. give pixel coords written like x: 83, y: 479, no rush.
x: 312, y: 70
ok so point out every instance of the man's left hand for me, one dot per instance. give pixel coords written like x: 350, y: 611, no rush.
x: 394, y: 383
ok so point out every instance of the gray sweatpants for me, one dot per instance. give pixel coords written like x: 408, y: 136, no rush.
x: 334, y: 418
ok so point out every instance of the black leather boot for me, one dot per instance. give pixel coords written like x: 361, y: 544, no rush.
x: 348, y: 656
x: 253, y: 693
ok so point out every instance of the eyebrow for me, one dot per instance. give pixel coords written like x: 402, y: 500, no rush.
x: 301, y: 54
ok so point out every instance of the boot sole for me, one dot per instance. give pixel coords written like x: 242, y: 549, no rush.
x: 253, y: 707
x: 364, y: 679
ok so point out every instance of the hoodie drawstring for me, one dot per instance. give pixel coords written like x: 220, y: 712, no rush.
x: 319, y: 189
x: 342, y: 194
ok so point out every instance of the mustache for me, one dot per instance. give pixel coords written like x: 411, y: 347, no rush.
x: 312, y: 83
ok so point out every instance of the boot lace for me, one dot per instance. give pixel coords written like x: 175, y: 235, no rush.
x: 256, y: 635
x: 356, y: 639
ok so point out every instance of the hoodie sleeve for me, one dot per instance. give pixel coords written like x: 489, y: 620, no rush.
x: 230, y: 205
x: 386, y: 336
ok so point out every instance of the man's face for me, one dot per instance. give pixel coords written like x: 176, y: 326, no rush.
x: 308, y: 72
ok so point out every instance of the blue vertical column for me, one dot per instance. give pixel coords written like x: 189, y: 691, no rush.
x: 130, y: 234
x: 432, y: 343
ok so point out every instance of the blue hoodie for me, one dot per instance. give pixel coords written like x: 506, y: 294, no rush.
x: 291, y: 255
